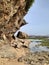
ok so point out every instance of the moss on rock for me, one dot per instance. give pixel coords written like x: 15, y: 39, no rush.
x: 28, y: 4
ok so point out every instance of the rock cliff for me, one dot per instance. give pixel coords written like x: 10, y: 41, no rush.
x: 11, y: 16
x: 11, y: 19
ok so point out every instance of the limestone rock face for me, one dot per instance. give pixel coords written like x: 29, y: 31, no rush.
x: 22, y: 35
x: 11, y: 16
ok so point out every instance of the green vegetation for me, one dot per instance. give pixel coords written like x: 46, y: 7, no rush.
x: 45, y: 42
x: 28, y: 4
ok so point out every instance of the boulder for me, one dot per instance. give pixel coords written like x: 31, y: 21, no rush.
x: 22, y: 35
x: 18, y: 43
x: 26, y: 43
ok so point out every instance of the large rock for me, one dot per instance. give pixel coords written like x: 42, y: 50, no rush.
x: 18, y: 43
x: 22, y: 35
x: 11, y: 16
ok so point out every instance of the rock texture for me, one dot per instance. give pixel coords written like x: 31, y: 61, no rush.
x: 22, y: 35
x: 11, y: 16
x: 37, y: 58
x: 15, y: 51
x: 7, y: 51
x: 18, y: 43
x: 11, y: 19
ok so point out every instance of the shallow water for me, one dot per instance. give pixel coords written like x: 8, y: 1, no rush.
x: 35, y: 48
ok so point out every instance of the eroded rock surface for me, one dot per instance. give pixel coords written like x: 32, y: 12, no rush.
x: 18, y: 43
x: 11, y: 19
x: 11, y: 16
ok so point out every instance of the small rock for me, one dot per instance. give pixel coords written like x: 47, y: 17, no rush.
x: 20, y: 59
x: 32, y: 62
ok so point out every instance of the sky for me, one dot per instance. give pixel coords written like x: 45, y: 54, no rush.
x: 37, y: 18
